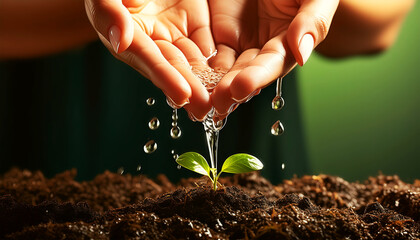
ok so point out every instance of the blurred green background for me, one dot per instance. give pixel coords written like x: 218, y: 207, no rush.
x: 84, y: 109
x: 361, y: 115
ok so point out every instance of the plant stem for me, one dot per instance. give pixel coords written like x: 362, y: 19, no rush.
x: 214, y: 174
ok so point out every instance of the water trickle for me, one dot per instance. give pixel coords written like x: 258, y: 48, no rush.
x: 212, y: 130
x: 278, y: 86
x: 138, y: 168
x: 154, y: 123
x: 150, y: 146
x: 210, y: 77
x: 120, y: 170
x: 150, y: 101
x: 277, y: 104
x: 175, y: 132
x: 277, y: 128
x: 174, y: 115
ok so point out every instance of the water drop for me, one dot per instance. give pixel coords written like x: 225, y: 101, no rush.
x: 174, y: 115
x: 172, y: 151
x: 175, y: 156
x: 277, y: 128
x: 179, y: 167
x: 150, y: 146
x: 175, y: 132
x: 277, y: 103
x: 150, y: 101
x: 120, y: 170
x: 138, y: 168
x: 282, y: 166
x: 154, y: 123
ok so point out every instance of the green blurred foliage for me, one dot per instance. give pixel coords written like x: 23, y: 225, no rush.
x: 361, y: 115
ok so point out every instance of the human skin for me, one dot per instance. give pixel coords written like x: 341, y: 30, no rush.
x: 260, y: 41
x: 33, y: 28
x: 147, y: 38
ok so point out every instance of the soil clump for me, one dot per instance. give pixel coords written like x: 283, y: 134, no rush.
x: 246, y: 206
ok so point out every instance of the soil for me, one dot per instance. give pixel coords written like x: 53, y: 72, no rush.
x: 246, y: 206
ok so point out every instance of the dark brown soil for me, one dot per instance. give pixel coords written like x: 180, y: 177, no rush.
x: 245, y: 207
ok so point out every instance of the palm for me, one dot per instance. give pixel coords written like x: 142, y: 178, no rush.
x: 171, y: 20
x: 250, y: 37
x: 170, y: 37
x: 249, y: 24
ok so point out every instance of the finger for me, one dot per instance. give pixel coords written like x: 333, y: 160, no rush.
x: 113, y: 21
x: 191, y: 51
x: 274, y: 60
x: 199, y: 104
x: 203, y: 38
x: 310, y: 27
x: 221, y: 96
x: 146, y: 57
x: 199, y: 30
x: 224, y: 59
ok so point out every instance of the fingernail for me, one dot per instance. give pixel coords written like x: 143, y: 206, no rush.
x: 305, y: 47
x: 173, y: 105
x: 114, y: 37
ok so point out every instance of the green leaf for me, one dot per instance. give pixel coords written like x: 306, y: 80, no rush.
x: 241, y: 163
x: 194, y: 162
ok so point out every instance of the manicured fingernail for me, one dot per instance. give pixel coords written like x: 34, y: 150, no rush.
x: 173, y: 105
x: 114, y: 37
x: 306, y: 46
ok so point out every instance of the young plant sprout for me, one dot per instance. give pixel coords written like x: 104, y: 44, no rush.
x: 237, y: 163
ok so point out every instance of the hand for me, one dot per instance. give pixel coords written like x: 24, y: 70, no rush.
x: 161, y: 39
x: 258, y: 41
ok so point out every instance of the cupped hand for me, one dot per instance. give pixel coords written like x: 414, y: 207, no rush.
x: 161, y: 39
x: 259, y: 41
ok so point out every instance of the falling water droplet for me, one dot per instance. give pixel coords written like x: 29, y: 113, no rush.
x: 120, y: 170
x: 282, y: 166
x: 154, y: 123
x: 175, y: 156
x: 138, y: 168
x: 150, y: 101
x: 175, y: 115
x: 277, y: 128
x: 172, y: 151
x: 150, y: 146
x: 277, y: 103
x: 175, y: 132
x: 179, y: 167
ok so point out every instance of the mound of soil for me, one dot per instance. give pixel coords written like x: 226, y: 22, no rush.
x: 246, y: 206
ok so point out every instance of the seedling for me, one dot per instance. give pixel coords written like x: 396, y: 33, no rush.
x: 237, y: 163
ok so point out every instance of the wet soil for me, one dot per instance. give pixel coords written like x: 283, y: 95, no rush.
x: 245, y: 207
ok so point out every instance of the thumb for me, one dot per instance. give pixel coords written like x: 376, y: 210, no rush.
x: 113, y: 21
x: 310, y: 27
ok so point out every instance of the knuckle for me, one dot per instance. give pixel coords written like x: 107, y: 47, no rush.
x: 323, y: 26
